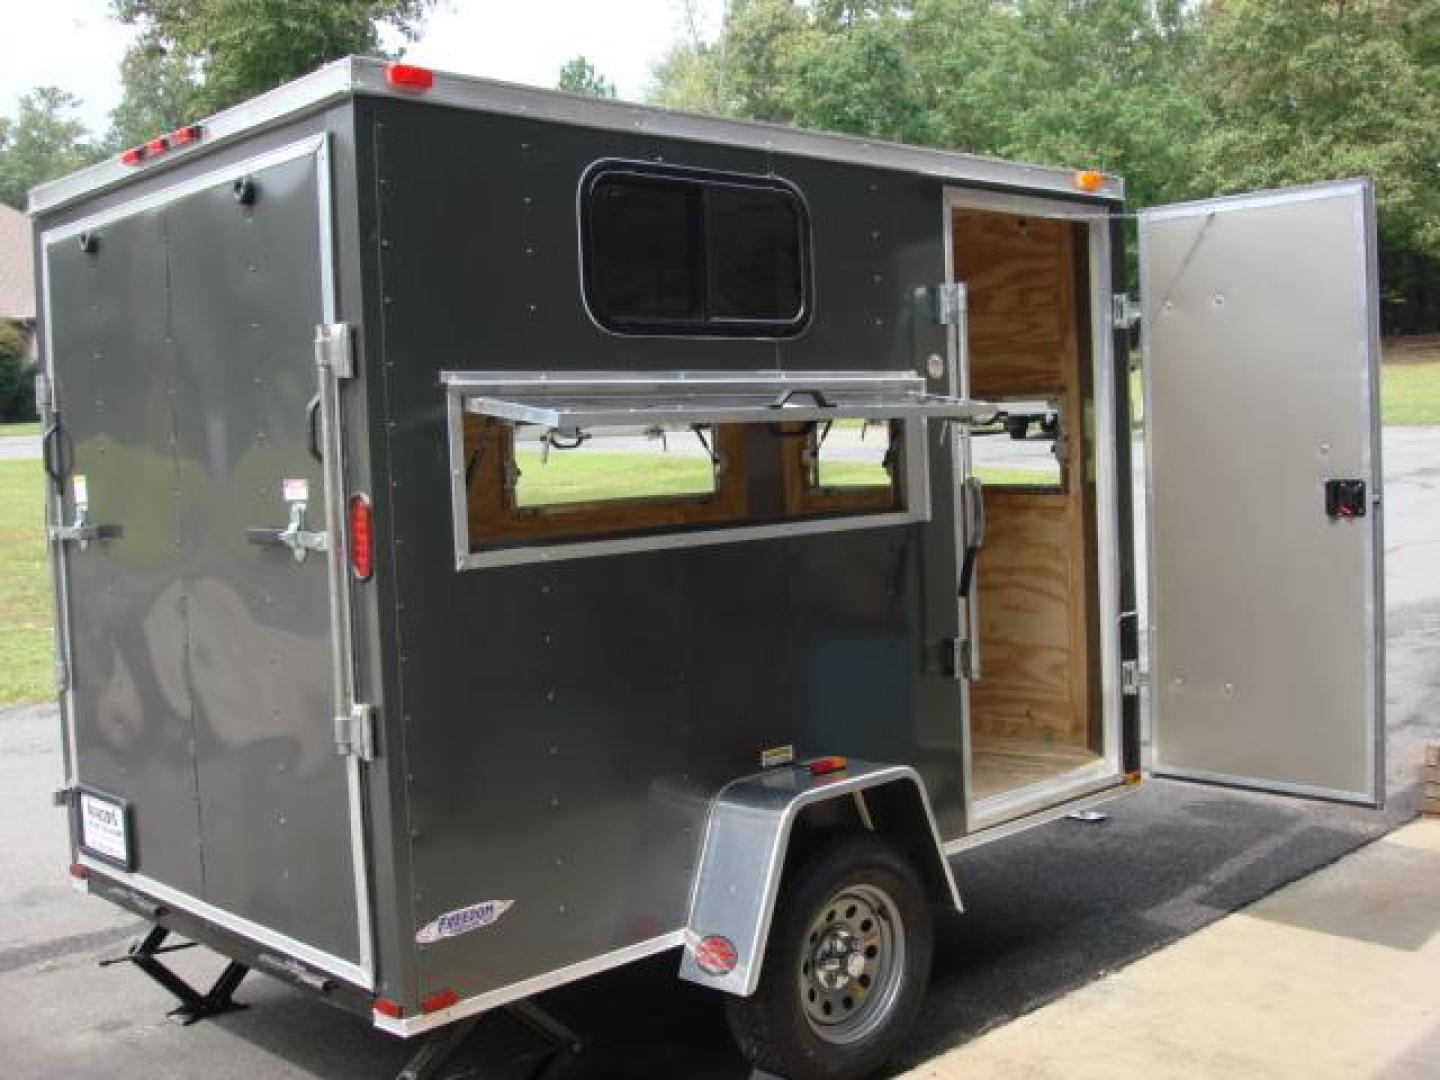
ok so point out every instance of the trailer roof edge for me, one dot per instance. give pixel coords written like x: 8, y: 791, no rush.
x: 363, y: 75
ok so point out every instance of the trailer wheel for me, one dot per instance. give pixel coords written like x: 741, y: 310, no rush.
x: 846, y: 966
x: 1018, y: 427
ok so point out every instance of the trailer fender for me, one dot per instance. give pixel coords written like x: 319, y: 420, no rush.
x: 748, y: 837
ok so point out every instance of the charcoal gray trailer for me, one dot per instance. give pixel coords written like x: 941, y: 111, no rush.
x: 498, y: 536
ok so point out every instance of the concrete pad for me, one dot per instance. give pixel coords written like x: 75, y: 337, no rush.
x: 1334, y: 976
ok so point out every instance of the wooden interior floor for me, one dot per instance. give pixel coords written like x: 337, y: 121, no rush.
x: 999, y: 765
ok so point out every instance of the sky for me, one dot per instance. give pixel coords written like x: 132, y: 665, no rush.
x: 75, y: 45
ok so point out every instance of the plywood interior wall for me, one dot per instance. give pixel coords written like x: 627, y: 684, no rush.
x: 1023, y: 277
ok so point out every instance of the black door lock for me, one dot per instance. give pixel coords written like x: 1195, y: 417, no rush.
x: 1345, y: 498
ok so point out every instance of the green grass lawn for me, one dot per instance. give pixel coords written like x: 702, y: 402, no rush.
x: 29, y: 427
x: 27, y: 671
x: 1410, y: 393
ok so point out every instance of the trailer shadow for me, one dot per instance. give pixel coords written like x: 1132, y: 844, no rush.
x: 1047, y: 911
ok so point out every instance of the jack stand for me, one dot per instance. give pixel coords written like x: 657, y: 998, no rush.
x: 564, y: 1045
x: 143, y: 953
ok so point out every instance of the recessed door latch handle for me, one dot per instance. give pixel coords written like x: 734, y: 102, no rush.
x: 294, y: 536
x: 81, y: 531
x: 1344, y: 499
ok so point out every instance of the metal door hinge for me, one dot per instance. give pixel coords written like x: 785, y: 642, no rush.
x: 1131, y: 678
x: 43, y: 398
x: 62, y: 676
x: 944, y: 302
x: 1124, y: 311
x: 63, y: 797
x: 335, y: 349
x: 355, y: 733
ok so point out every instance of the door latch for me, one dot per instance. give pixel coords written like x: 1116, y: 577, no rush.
x: 300, y: 540
x: 82, y: 532
x: 945, y: 303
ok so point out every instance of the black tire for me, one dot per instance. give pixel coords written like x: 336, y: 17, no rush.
x: 1018, y: 427
x: 774, y: 1028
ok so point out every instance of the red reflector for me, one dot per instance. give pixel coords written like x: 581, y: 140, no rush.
x: 157, y: 145
x: 78, y: 871
x: 716, y: 955
x: 441, y: 999
x: 185, y: 135
x: 386, y: 1007
x: 826, y: 765
x: 362, y: 537
x: 134, y: 156
x: 409, y: 77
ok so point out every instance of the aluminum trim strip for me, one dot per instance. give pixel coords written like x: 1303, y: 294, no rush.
x: 409, y: 1026
x: 1269, y: 787
x: 990, y: 833
x: 536, y: 553
x: 307, y: 954
x: 358, y: 75
x: 571, y: 415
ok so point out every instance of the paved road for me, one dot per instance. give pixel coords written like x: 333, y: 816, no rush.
x: 1049, y: 910
x: 19, y: 446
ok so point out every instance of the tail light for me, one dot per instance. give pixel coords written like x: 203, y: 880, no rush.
x: 409, y: 77
x: 362, y: 536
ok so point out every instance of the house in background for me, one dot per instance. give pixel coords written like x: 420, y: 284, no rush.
x: 17, y: 274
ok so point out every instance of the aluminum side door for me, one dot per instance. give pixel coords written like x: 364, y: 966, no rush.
x: 1261, y: 359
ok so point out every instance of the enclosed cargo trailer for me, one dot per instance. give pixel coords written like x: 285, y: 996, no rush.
x: 500, y: 535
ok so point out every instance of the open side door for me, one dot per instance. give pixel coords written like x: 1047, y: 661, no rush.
x: 1261, y: 347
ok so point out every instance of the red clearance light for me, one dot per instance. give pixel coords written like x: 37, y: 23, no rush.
x: 78, y: 871
x: 409, y: 77
x: 716, y: 955
x: 386, y: 1007
x: 362, y: 537
x: 826, y: 765
x: 157, y: 145
x: 441, y: 999
x: 186, y: 135
x: 134, y: 156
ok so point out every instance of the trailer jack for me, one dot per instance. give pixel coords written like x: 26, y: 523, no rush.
x: 563, y: 1044
x: 144, y: 953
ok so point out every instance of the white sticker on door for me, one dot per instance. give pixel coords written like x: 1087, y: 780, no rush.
x: 102, y: 828
x: 80, y: 490
x: 295, y: 490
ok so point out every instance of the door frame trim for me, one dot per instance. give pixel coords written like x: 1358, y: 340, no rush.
x: 317, y: 146
x: 1014, y: 805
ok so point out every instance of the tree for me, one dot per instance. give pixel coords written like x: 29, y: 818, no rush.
x: 579, y: 76
x: 239, y: 48
x: 42, y: 142
x: 1307, y: 90
x: 160, y: 91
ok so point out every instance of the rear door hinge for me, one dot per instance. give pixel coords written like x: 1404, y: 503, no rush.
x: 1124, y: 311
x: 43, y: 397
x: 945, y: 302
x: 355, y: 733
x: 62, y: 676
x: 1132, y: 678
x: 63, y: 797
x: 335, y: 349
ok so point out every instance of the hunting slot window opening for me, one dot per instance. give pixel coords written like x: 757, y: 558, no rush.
x: 547, y: 466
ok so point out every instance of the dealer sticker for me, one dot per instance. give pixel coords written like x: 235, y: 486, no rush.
x: 80, y: 490
x: 295, y: 490
x: 103, y: 828
x: 462, y: 921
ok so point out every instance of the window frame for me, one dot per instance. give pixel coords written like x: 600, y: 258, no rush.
x: 706, y: 325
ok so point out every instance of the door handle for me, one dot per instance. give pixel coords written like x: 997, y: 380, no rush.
x: 300, y: 540
x: 972, y: 491
x: 82, y: 532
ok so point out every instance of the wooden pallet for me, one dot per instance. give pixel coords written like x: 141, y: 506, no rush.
x: 1430, y: 794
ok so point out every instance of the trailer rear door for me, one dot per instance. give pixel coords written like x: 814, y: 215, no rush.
x: 182, y: 330
x: 1261, y: 369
